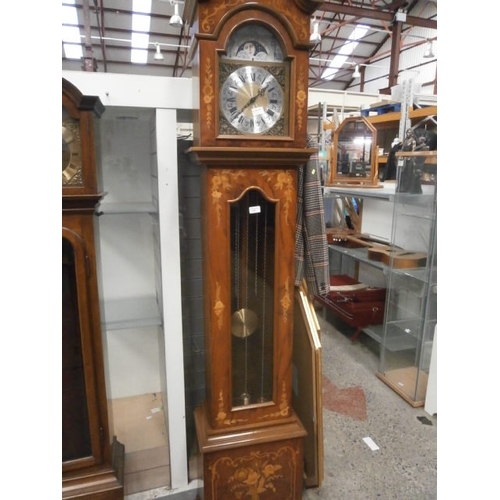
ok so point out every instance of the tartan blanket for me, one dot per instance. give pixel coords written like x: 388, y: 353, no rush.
x: 311, y: 246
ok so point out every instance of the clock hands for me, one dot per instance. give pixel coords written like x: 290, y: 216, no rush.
x: 251, y: 100
x: 260, y: 93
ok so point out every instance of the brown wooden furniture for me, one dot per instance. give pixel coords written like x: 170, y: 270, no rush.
x: 92, y: 465
x: 307, y: 394
x: 250, y: 138
x: 354, y: 154
x: 354, y: 303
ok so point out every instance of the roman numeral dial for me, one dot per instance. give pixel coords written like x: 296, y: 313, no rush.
x: 251, y: 99
x: 71, y: 153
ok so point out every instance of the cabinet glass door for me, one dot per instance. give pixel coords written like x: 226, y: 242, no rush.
x: 411, y: 303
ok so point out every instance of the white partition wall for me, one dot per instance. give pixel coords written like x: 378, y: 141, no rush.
x: 171, y: 299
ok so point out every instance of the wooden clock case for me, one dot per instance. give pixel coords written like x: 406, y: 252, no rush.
x: 92, y: 466
x: 250, y: 449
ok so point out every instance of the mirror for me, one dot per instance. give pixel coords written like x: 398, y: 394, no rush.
x: 354, y: 158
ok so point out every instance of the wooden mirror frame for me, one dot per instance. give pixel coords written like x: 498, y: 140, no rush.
x: 372, y: 178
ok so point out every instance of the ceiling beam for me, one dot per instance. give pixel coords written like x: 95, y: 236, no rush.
x: 101, y: 24
x: 89, y: 63
x: 395, y: 50
x: 377, y: 14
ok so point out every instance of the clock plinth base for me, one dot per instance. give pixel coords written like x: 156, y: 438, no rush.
x: 99, y: 482
x: 261, y: 463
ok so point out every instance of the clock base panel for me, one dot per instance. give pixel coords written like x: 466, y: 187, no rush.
x: 263, y: 463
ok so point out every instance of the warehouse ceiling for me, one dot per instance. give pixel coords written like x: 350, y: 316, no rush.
x: 105, y: 30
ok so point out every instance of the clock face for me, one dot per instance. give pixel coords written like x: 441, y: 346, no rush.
x: 252, y: 99
x: 71, y: 152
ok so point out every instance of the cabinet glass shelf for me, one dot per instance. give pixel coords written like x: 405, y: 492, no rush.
x: 416, y: 215
x: 397, y: 336
x: 126, y: 208
x: 418, y: 274
x: 359, y: 254
x: 131, y: 313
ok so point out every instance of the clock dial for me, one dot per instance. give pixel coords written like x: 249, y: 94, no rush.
x: 71, y: 152
x: 251, y: 99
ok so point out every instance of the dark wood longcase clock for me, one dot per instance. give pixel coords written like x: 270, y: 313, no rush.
x: 250, y: 138
x: 92, y: 465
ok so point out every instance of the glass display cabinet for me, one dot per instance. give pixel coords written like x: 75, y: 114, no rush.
x: 354, y: 159
x: 411, y: 301
x: 132, y: 284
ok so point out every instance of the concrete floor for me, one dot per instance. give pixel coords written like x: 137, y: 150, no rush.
x: 356, y: 404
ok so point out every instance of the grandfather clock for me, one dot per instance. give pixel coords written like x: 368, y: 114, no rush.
x: 250, y: 138
x: 92, y: 466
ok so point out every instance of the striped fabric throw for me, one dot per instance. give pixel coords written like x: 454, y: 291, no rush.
x: 311, y: 247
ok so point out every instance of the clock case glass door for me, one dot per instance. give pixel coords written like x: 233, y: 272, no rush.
x: 76, y: 428
x: 252, y: 227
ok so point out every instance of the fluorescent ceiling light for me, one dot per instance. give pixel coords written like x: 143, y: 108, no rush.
x: 315, y: 35
x: 344, y: 52
x: 158, y: 55
x: 428, y: 50
x: 176, y: 19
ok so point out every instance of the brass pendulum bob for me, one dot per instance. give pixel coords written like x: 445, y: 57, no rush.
x: 245, y: 398
x: 243, y: 323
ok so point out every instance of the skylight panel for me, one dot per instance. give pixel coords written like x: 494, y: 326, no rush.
x: 71, y: 34
x: 140, y: 40
x: 141, y: 22
x: 358, y: 32
x: 139, y: 56
x: 333, y: 66
x: 143, y: 6
x: 348, y: 48
x: 140, y: 27
x: 344, y: 52
x: 69, y: 15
